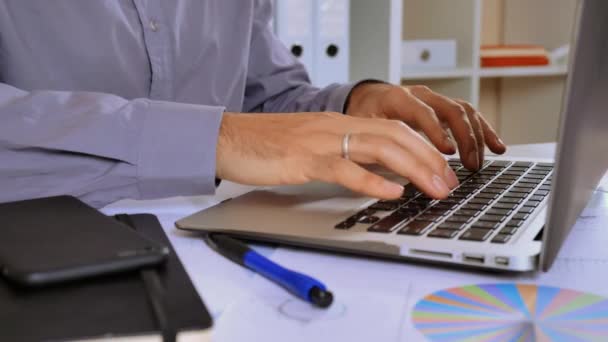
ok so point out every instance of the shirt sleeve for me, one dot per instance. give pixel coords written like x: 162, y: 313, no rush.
x: 102, y: 148
x: 276, y: 81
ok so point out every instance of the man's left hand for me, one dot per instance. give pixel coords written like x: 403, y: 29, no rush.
x: 433, y: 114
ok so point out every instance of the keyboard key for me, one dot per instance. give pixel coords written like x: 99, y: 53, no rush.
x: 493, y: 190
x: 546, y: 165
x: 454, y: 201
x: 501, y: 238
x: 508, y: 230
x: 541, y: 193
x: 443, y: 233
x: 521, y: 216
x: 545, y: 187
x: 487, y: 195
x: 525, y: 185
x: 473, y: 206
x: 492, y: 218
x: 416, y: 206
x: 387, y: 224
x: 531, y: 203
x: 501, y: 205
x: 494, y: 169
x: 457, y: 196
x: 506, y: 182
x: 446, y: 206
x: 469, y: 187
x: 485, y: 225
x: 452, y: 225
x: 459, y: 219
x: 519, y: 189
x: 408, y: 211
x: 513, y: 194
x: 346, y: 224
x: 513, y: 173
x: 515, y: 223
x: 524, y: 164
x: 429, y: 217
x: 385, y: 206
x: 477, y: 200
x: 526, y: 210
x: 436, y: 212
x: 369, y: 219
x: 508, y: 177
x: 414, y: 228
x: 518, y: 168
x: 476, y: 234
x: 538, y: 172
x: 500, y: 163
x: 498, y: 211
x: 466, y: 212
x: 510, y: 200
x: 537, y: 198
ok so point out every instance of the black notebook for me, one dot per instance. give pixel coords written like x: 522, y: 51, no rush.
x: 117, y: 305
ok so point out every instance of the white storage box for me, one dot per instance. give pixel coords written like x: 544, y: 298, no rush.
x: 428, y: 54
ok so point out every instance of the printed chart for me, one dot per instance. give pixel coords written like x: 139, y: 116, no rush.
x: 512, y: 312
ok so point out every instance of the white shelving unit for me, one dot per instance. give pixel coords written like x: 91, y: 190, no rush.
x: 523, y: 103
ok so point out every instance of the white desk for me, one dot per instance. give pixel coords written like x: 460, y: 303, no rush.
x: 393, y: 288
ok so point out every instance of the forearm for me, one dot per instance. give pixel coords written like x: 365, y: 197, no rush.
x: 102, y: 147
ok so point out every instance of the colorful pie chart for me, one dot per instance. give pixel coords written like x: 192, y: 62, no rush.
x: 512, y: 312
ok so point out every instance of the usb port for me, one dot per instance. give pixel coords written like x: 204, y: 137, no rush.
x: 502, y: 261
x: 474, y: 259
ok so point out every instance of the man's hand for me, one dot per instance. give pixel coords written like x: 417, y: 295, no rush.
x: 429, y: 112
x: 274, y: 149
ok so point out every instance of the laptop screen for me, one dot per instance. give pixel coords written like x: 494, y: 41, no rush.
x: 582, y: 154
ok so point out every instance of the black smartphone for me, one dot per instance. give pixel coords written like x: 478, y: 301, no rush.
x: 56, y: 239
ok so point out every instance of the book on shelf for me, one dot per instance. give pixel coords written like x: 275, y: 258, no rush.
x: 513, y: 56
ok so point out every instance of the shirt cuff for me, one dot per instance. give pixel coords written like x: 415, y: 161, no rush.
x: 178, y: 149
x: 354, y: 85
x: 336, y: 101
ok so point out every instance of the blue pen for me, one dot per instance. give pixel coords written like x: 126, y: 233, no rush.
x: 303, y: 286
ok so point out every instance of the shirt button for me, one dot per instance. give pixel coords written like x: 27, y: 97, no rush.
x: 153, y: 25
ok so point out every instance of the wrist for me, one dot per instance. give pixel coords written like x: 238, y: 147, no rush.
x: 361, y: 93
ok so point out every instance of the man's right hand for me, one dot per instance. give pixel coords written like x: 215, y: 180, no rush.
x: 278, y: 149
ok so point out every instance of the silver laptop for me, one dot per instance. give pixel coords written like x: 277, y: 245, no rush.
x: 494, y: 219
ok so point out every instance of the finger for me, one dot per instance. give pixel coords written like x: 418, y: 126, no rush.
x: 369, y: 148
x: 354, y: 177
x: 455, y: 115
x: 411, y: 141
x: 409, y: 108
x: 491, y: 137
x: 473, y: 116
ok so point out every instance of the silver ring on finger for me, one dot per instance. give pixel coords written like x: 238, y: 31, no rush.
x: 345, y: 143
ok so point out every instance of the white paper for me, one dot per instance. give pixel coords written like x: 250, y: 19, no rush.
x: 369, y: 303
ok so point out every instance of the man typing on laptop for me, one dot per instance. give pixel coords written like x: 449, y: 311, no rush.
x: 143, y: 100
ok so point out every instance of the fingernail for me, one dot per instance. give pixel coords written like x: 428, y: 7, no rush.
x: 450, y: 177
x: 473, y: 159
x: 500, y: 141
x: 396, y: 190
x: 440, y: 186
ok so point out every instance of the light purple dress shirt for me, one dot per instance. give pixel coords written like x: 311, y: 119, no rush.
x: 123, y: 98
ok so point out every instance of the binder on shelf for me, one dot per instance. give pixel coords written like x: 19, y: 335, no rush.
x: 293, y: 25
x: 331, y: 22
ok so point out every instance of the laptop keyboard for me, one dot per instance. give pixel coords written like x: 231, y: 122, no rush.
x: 489, y: 205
